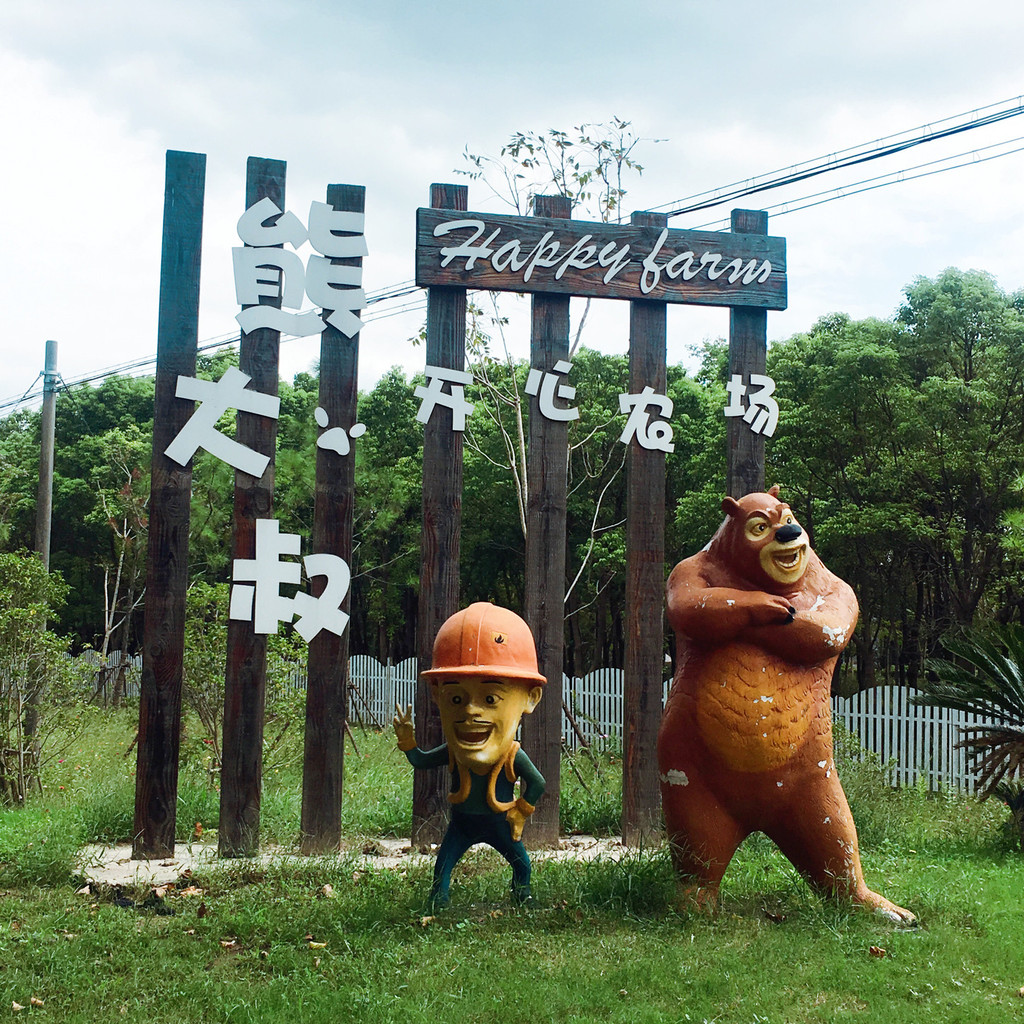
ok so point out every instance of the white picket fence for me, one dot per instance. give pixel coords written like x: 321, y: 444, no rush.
x: 914, y: 743
x: 917, y: 744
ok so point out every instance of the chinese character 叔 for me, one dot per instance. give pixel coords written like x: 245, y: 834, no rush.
x: 262, y: 602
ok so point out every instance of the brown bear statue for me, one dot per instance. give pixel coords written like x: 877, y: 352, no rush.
x: 745, y: 743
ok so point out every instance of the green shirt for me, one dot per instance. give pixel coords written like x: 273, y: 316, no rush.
x: 531, y: 781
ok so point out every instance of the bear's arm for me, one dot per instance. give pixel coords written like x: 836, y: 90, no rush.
x: 822, y: 627
x: 713, y: 614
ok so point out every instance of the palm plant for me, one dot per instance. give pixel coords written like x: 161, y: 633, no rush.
x: 985, y: 676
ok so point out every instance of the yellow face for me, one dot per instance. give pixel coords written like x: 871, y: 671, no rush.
x: 480, y: 715
x: 785, y: 562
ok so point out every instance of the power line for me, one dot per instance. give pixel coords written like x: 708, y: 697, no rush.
x: 850, y: 157
x: 883, y: 180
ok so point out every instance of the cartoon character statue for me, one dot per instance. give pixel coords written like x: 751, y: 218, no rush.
x: 745, y: 743
x: 483, y: 678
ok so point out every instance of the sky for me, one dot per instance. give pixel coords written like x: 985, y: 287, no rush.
x: 389, y: 95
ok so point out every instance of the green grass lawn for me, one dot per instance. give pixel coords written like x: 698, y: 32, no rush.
x: 329, y: 940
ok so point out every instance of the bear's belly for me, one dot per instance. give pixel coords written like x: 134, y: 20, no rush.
x: 753, y: 711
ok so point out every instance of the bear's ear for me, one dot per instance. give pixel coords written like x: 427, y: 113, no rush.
x: 730, y: 506
x: 774, y: 490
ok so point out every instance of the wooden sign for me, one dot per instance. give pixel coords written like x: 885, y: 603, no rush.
x: 608, y: 261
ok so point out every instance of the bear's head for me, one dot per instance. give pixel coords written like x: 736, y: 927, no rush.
x: 762, y: 542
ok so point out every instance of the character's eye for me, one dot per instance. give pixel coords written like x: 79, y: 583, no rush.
x: 492, y: 698
x: 456, y: 698
x: 788, y: 521
x: 758, y: 528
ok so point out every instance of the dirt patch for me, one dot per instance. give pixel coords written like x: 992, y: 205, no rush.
x: 113, y: 865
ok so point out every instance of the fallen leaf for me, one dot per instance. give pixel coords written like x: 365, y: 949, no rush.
x: 198, y: 830
x: 877, y: 951
x: 1020, y: 991
x: 35, y: 1001
x: 16, y: 1007
x: 160, y: 891
x: 191, y: 890
x: 424, y: 921
x: 316, y: 962
x: 201, y: 910
x: 228, y: 943
x: 497, y: 913
x: 84, y: 891
x: 328, y: 890
x: 318, y: 945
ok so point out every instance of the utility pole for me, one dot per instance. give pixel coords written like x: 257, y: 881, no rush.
x: 44, y: 501
x: 44, y: 495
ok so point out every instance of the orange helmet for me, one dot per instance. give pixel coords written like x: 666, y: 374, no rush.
x: 485, y: 640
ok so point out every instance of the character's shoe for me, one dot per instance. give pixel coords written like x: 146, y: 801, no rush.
x: 438, y: 899
x: 521, y: 894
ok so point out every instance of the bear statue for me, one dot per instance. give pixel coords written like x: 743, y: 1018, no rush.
x: 745, y: 744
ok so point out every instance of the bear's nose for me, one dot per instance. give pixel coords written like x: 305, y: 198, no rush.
x: 789, y: 532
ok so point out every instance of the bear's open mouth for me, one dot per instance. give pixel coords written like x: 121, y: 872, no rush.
x: 788, y: 559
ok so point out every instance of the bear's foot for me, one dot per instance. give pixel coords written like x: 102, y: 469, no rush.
x: 884, y: 908
x: 692, y: 896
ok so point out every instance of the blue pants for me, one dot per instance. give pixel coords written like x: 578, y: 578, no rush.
x: 467, y: 830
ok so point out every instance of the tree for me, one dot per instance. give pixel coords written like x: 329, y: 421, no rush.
x: 34, y: 670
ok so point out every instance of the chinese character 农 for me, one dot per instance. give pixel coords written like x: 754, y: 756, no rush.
x: 650, y: 435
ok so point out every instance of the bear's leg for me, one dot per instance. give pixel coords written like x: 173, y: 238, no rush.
x: 817, y: 833
x: 702, y: 837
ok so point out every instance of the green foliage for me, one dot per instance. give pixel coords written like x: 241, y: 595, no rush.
x: 985, y: 676
x: 203, y: 671
x: 39, y: 690
x: 588, y: 165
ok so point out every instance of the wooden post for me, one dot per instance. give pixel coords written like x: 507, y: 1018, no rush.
x: 748, y: 346
x: 245, y: 679
x: 545, y: 547
x: 163, y: 643
x: 645, y: 577
x: 328, y: 670
x: 442, y: 530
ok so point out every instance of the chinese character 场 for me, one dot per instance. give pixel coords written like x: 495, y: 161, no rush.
x: 263, y: 268
x: 433, y: 394
x: 762, y: 411
x: 650, y: 435
x: 546, y: 386
x: 256, y: 591
x: 215, y: 398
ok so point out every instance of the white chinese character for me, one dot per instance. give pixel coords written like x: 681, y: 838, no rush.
x: 323, y: 612
x: 650, y: 435
x: 263, y: 604
x: 262, y: 268
x: 546, y: 386
x: 433, y: 394
x: 266, y: 572
x: 762, y: 411
x: 201, y: 429
x: 336, y: 439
